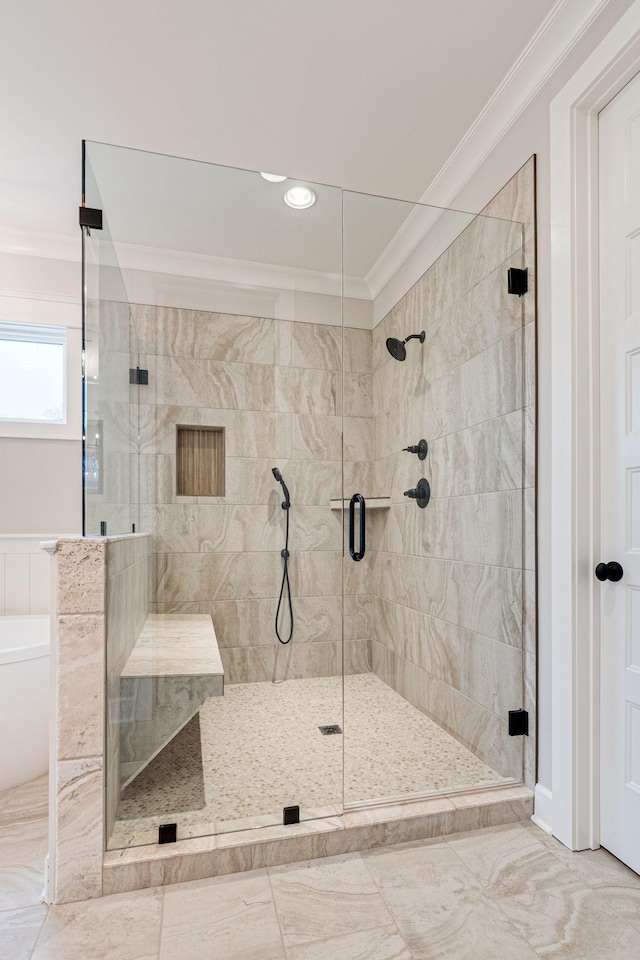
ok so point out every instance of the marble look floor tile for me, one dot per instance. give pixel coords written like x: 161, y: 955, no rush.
x: 571, y: 923
x: 510, y: 860
x: 336, y: 895
x: 227, y: 917
x: 23, y: 844
x: 440, y: 907
x: 27, y: 802
x: 122, y: 927
x: 19, y: 931
x: 23, y: 848
x: 625, y: 901
x: 382, y: 943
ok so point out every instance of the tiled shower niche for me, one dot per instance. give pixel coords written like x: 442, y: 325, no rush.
x: 200, y: 461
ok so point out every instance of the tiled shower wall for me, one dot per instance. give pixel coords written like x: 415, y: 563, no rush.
x: 449, y: 627
x: 276, y: 388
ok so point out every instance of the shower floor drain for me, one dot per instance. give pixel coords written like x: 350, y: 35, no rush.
x: 330, y: 728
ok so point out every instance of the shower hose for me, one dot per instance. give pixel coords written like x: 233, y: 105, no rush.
x: 285, y: 586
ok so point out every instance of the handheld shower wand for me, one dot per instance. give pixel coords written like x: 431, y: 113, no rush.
x: 286, y: 503
x: 286, y: 585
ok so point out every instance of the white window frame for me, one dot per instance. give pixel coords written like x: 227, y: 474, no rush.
x: 39, y: 313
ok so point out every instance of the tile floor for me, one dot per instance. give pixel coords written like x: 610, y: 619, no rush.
x: 261, y: 750
x: 504, y: 893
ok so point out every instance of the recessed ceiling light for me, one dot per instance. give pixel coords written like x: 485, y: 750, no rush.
x: 272, y: 177
x: 300, y: 198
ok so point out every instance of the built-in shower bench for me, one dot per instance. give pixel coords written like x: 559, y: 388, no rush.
x: 173, y: 668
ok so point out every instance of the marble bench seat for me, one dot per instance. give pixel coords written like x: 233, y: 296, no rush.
x: 173, y: 668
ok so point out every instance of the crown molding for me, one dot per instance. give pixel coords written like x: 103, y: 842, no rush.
x: 558, y: 35
x: 183, y: 264
x: 561, y: 31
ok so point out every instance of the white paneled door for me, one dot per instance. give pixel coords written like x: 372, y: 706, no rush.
x: 619, y: 570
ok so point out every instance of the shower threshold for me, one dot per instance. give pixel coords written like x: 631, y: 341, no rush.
x: 363, y: 829
x: 433, y: 787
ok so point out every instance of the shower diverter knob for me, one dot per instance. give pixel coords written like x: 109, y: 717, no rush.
x: 421, y: 493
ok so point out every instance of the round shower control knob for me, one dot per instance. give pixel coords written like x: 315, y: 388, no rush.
x: 421, y: 494
x: 609, y: 571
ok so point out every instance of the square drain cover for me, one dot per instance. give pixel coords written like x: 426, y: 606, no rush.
x: 330, y: 728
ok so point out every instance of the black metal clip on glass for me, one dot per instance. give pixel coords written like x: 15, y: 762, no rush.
x: 357, y: 498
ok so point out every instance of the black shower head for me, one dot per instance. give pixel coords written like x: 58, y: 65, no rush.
x: 286, y: 503
x: 397, y: 348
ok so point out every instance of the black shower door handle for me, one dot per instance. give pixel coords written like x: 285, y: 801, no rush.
x: 357, y: 498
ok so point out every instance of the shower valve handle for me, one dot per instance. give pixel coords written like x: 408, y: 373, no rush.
x: 421, y: 493
x: 421, y: 448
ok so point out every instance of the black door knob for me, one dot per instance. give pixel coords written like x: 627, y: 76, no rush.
x: 609, y: 571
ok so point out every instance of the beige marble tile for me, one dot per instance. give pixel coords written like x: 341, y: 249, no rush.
x: 510, y: 860
x: 358, y: 395
x: 306, y: 391
x: 381, y: 943
x: 216, y: 576
x: 225, y: 528
x: 358, y: 350
x: 337, y: 894
x: 485, y: 600
x: 79, y: 841
x: 316, y: 437
x: 81, y: 576
x: 188, y: 381
x: 439, y: 906
x: 19, y: 931
x: 122, y: 927
x: 247, y: 623
x: 315, y: 528
x: 174, y: 644
x: 215, y: 336
x: 80, y: 682
x: 232, y: 916
x: 23, y: 844
x: 317, y: 345
x: 571, y: 921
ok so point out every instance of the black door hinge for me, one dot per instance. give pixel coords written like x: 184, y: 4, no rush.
x: 517, y: 281
x: 91, y: 217
x: 139, y: 376
x: 518, y: 723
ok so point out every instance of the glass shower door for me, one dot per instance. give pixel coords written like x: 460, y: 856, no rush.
x: 446, y: 477
x: 236, y: 315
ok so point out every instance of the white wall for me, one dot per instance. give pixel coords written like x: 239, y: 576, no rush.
x: 41, y: 479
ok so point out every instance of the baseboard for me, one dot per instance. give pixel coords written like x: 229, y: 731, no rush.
x: 543, y: 808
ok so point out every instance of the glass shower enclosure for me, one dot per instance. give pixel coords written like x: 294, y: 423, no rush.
x: 243, y: 410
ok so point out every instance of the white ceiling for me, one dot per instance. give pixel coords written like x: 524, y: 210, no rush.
x: 371, y: 95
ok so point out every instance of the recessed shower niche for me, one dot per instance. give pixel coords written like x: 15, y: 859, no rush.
x: 265, y: 332
x: 199, y: 461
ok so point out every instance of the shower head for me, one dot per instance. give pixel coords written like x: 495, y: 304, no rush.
x: 286, y: 503
x: 397, y: 348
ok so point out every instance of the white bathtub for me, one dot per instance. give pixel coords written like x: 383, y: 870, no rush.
x: 24, y: 699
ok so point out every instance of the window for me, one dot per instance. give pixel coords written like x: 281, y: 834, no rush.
x: 33, y: 373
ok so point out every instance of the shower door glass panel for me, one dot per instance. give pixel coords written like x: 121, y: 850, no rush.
x: 434, y: 613
x: 236, y: 314
x: 110, y: 428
